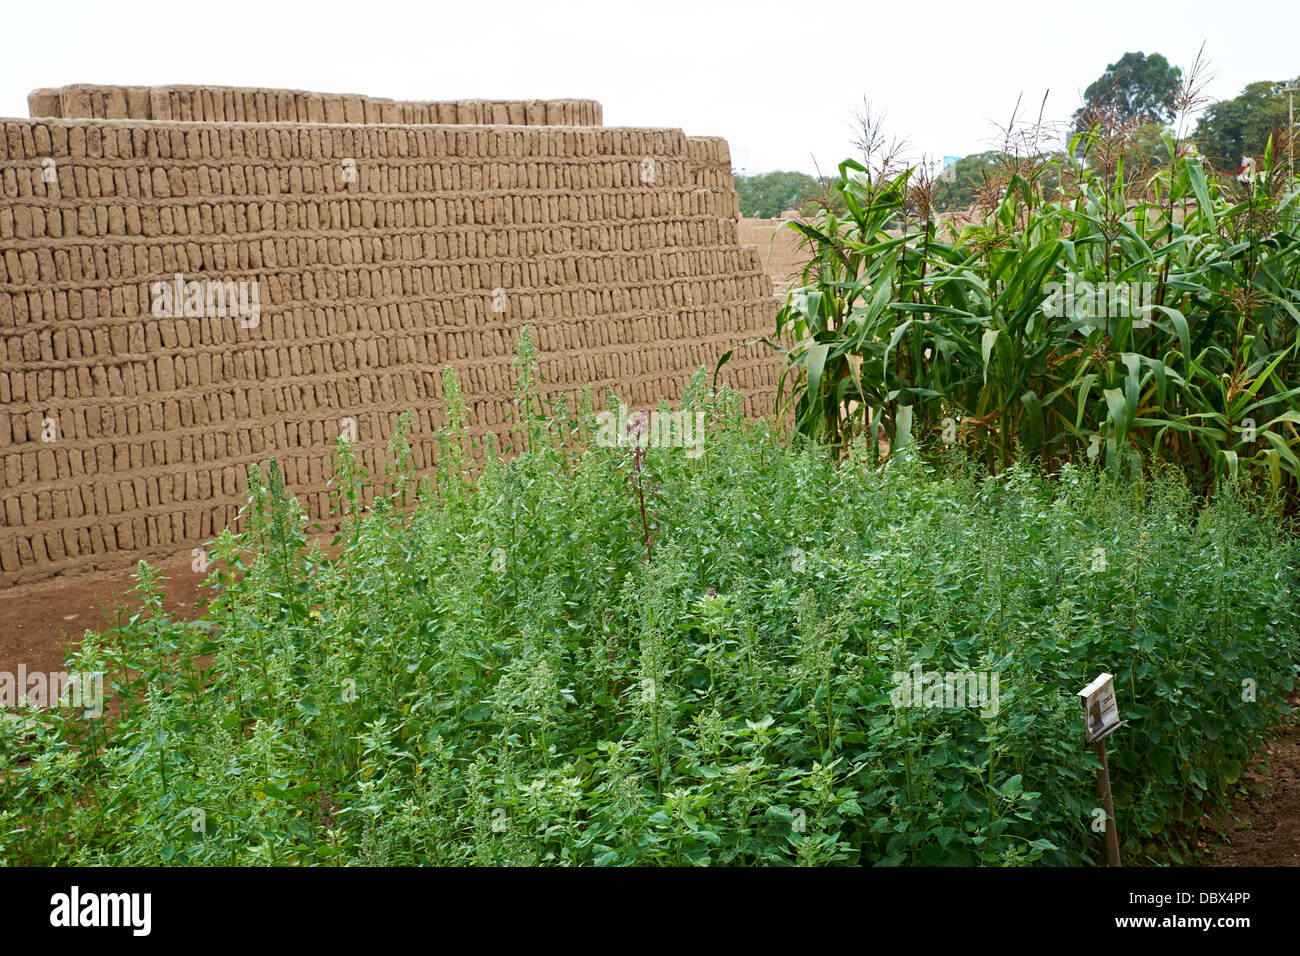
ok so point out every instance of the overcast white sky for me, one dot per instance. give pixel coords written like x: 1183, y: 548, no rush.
x: 779, y: 80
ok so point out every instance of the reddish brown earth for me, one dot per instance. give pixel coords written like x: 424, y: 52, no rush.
x: 38, y: 620
x: 1263, y: 826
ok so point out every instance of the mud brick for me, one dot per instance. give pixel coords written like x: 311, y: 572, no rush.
x: 339, y: 279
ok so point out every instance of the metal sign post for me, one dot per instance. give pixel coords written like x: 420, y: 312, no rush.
x: 1101, y: 718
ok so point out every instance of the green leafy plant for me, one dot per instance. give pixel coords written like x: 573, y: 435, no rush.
x: 964, y: 333
x: 417, y: 699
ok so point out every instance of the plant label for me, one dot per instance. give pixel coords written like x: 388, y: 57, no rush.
x: 1100, y: 711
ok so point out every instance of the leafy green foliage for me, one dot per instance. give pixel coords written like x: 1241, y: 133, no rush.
x: 768, y: 195
x: 950, y: 333
x: 969, y: 178
x: 1243, y: 125
x: 1135, y: 87
x: 500, y: 673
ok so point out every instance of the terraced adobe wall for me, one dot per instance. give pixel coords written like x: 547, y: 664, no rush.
x: 232, y: 104
x: 180, y: 300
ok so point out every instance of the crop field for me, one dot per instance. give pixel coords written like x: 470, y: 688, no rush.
x: 1007, y: 575
x: 606, y: 651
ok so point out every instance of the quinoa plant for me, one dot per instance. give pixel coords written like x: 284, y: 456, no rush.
x: 488, y: 670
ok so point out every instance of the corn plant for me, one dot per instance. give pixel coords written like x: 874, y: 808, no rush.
x: 965, y: 336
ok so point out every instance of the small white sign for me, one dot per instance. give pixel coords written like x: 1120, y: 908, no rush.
x: 1100, y: 711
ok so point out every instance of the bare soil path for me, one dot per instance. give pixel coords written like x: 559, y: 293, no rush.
x: 1263, y: 827
x: 37, y: 621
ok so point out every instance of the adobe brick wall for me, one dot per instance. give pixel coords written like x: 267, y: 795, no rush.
x: 233, y: 104
x: 778, y: 249
x: 367, y: 290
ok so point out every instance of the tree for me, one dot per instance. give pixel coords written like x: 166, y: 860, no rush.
x: 767, y: 195
x: 1136, y: 88
x: 984, y: 176
x: 1241, y: 126
x: 960, y: 186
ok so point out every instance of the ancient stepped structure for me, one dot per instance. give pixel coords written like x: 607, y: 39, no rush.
x: 193, y: 280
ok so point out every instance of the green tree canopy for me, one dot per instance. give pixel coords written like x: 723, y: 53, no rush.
x: 1241, y: 126
x: 767, y: 195
x: 1136, y: 87
x: 960, y: 186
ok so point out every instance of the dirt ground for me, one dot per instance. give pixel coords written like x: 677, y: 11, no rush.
x: 37, y: 621
x: 1263, y: 827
